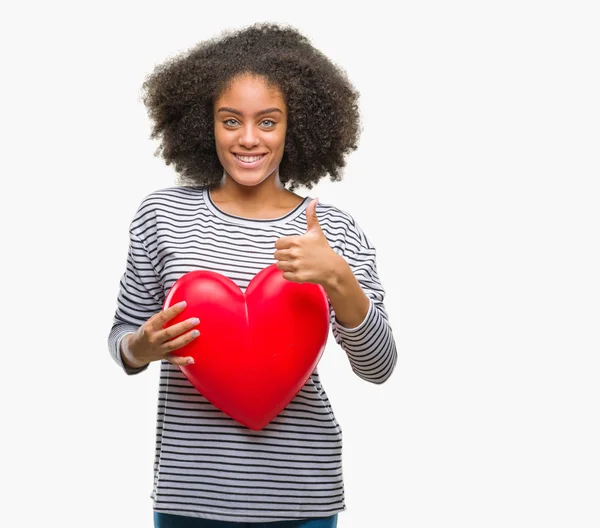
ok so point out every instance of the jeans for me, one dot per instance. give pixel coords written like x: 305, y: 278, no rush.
x: 166, y: 520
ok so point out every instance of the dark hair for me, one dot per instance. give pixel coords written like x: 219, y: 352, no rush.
x: 323, y: 115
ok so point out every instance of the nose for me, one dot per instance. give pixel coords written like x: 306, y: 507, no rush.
x: 248, y: 137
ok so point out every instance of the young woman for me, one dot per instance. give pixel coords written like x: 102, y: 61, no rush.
x: 245, y: 119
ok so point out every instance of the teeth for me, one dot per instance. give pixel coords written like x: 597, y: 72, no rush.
x: 248, y: 159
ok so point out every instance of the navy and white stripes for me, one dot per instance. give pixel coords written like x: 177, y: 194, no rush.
x: 206, y: 464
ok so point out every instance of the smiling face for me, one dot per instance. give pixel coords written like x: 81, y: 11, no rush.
x: 250, y: 123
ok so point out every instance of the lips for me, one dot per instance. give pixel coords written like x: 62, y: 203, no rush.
x: 247, y: 160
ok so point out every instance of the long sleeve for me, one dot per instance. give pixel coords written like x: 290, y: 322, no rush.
x: 140, y: 297
x: 370, y: 347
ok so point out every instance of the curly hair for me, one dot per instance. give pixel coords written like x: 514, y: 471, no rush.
x: 323, y: 114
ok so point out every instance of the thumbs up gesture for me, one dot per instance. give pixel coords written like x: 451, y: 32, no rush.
x: 307, y: 257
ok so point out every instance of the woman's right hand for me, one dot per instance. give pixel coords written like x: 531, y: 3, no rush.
x: 152, y: 342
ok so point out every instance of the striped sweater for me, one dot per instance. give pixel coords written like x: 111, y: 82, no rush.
x: 206, y: 464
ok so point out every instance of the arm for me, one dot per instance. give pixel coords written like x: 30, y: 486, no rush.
x: 359, y: 320
x: 349, y: 276
x: 139, y: 298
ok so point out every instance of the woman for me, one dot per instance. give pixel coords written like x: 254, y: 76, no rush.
x: 245, y: 119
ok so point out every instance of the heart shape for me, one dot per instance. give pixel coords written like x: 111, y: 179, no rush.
x: 256, y: 349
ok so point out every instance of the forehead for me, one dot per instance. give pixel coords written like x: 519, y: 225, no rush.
x: 249, y: 93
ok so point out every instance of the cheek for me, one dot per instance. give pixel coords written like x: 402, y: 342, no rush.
x: 221, y: 148
x: 218, y: 136
x: 279, y: 142
x: 222, y: 141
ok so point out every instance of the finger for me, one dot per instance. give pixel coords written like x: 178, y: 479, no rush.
x: 291, y: 276
x: 283, y: 254
x: 177, y: 329
x: 312, y: 222
x: 161, y: 318
x: 180, y: 361
x: 286, y: 266
x: 179, y: 342
x: 286, y: 242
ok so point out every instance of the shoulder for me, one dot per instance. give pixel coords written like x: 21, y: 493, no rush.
x: 331, y: 214
x: 164, y: 201
x: 340, y: 226
x: 169, y: 198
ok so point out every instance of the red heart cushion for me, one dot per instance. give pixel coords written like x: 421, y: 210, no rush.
x: 255, y: 350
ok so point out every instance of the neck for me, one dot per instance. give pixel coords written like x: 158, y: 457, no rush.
x: 268, y: 199
x: 269, y: 191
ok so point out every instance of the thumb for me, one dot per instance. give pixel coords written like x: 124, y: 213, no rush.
x: 312, y: 222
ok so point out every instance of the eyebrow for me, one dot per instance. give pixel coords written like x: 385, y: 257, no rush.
x: 237, y: 112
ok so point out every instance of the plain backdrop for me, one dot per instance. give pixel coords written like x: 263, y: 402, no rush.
x: 477, y: 179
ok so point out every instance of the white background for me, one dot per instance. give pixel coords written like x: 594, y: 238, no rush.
x: 476, y: 179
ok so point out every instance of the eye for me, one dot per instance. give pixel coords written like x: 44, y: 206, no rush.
x: 230, y: 122
x: 270, y: 123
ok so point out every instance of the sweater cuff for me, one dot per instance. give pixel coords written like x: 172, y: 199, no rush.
x: 353, y: 332
x: 119, y: 359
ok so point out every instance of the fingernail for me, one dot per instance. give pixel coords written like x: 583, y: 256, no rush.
x: 190, y: 361
x: 194, y: 321
x: 181, y: 304
x: 195, y: 333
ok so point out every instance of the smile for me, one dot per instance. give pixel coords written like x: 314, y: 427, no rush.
x: 249, y: 161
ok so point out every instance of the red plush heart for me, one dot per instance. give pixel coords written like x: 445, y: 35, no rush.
x: 256, y: 349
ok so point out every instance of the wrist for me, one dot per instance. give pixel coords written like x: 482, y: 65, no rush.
x: 348, y: 300
x: 337, y: 276
x: 127, y: 356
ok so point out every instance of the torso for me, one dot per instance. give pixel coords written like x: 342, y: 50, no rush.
x: 200, y: 449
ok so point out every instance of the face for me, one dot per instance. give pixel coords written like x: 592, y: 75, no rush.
x: 250, y: 124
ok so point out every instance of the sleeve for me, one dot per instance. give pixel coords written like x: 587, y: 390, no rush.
x: 370, y: 346
x: 140, y: 296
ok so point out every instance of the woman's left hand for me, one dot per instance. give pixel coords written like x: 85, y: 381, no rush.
x: 307, y: 257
